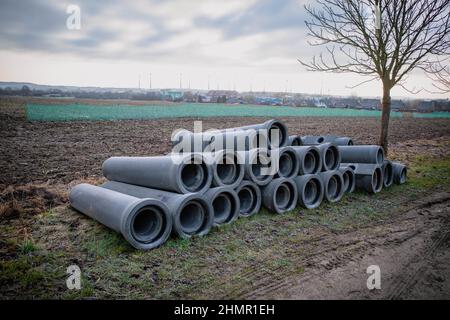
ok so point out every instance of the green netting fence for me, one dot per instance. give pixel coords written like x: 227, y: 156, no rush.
x: 433, y: 115
x: 71, y: 112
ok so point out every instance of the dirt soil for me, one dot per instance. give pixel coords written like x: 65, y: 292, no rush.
x: 412, y: 251
x: 41, y: 161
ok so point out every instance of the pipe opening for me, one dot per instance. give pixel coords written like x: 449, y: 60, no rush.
x: 320, y: 139
x: 330, y: 159
x: 311, y: 192
x: 194, y: 176
x: 309, y: 163
x: 247, y: 198
x: 377, y: 181
x: 192, y: 216
x: 261, y: 170
x: 227, y: 170
x: 283, y: 196
x: 346, y: 177
x: 380, y: 156
x: 297, y: 142
x: 334, y: 188
x: 351, y: 181
x: 388, y: 174
x: 147, y: 224
x: 223, y: 208
x: 286, y: 164
x: 277, y: 130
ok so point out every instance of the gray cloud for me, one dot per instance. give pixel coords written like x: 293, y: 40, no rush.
x: 263, y: 16
x: 39, y: 25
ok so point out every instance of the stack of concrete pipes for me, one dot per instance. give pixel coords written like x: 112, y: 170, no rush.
x: 212, y: 178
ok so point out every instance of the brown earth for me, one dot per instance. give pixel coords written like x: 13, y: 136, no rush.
x: 411, y: 250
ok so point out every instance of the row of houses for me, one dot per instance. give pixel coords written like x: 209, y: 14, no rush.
x: 235, y: 97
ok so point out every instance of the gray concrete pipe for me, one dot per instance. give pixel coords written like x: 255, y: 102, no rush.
x: 249, y: 197
x: 388, y: 174
x: 369, y: 176
x: 400, y: 172
x: 348, y: 176
x: 259, y: 166
x: 294, y: 141
x: 269, y: 126
x: 333, y: 185
x: 227, y: 168
x: 362, y: 154
x: 339, y: 141
x: 191, y: 213
x: 210, y: 141
x: 182, y: 173
x: 312, y: 140
x: 309, y: 159
x: 310, y: 190
x: 288, y: 162
x: 264, y: 131
x: 330, y: 155
x: 280, y: 195
x: 225, y: 204
x: 144, y: 223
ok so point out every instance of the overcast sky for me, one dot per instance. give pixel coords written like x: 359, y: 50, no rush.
x: 236, y: 44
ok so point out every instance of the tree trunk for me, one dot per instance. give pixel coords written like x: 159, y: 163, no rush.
x: 385, y: 114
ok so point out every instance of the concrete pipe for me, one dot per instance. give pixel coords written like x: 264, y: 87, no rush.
x: 309, y: 159
x: 310, y: 190
x: 249, y: 197
x: 312, y: 140
x: 295, y: 141
x: 333, y: 185
x: 339, y: 141
x: 227, y: 168
x: 280, y: 195
x: 185, y: 141
x: 288, y: 162
x: 182, y: 173
x: 273, y: 128
x: 330, y: 155
x: 400, y: 172
x: 259, y: 166
x: 225, y: 204
x: 144, y: 223
x: 348, y: 176
x: 211, y: 141
x: 362, y: 154
x: 369, y: 177
x: 388, y: 174
x: 191, y: 213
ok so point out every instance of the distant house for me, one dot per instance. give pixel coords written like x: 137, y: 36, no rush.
x: 173, y: 95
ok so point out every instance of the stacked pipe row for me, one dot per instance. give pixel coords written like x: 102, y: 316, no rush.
x: 212, y: 178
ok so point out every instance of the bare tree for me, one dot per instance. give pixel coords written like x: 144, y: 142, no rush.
x: 380, y: 39
x: 440, y: 75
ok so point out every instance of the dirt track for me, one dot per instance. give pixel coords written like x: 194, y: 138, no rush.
x: 411, y: 251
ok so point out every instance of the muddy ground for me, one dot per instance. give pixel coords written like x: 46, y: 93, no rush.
x: 318, y: 254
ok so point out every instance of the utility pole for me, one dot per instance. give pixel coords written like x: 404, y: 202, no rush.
x: 150, y: 81
x: 139, y: 82
x: 181, y: 80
